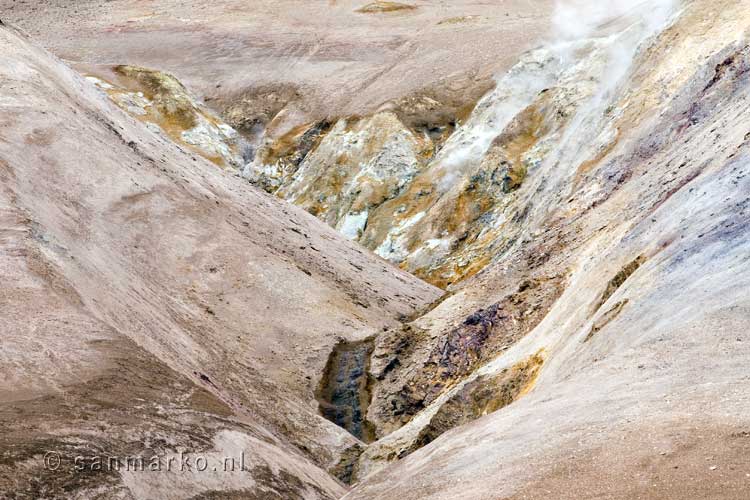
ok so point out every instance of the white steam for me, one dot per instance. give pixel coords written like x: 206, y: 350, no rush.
x: 617, y: 27
x: 620, y: 27
x: 514, y: 91
x: 578, y: 19
x: 625, y: 23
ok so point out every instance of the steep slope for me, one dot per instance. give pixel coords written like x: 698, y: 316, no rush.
x: 588, y: 218
x: 155, y: 304
x: 626, y: 279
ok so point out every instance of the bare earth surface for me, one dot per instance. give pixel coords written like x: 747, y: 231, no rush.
x: 140, y: 279
x: 585, y: 213
x: 327, y: 57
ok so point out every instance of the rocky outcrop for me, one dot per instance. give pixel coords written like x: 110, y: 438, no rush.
x: 383, y: 7
x: 347, y: 172
x: 638, y: 198
x: 457, y: 202
x: 164, y: 104
x: 483, y: 395
x: 268, y: 79
x: 410, y: 380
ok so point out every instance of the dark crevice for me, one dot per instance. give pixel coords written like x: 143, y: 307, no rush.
x: 344, y: 391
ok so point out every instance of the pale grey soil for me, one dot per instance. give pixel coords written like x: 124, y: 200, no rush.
x: 153, y: 302
x: 341, y: 62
